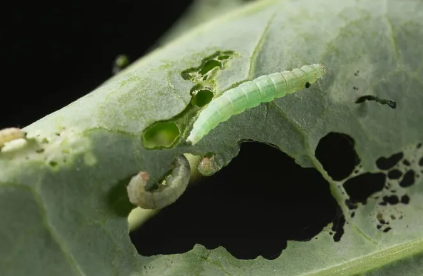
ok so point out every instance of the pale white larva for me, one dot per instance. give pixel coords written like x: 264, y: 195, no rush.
x: 167, y: 192
x: 250, y: 94
x: 10, y: 134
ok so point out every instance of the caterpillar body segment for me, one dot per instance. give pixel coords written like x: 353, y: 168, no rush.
x: 168, y: 191
x: 252, y: 93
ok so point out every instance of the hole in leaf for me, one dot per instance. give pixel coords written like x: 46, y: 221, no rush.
x: 215, y: 60
x: 337, y: 155
x: 338, y: 226
x: 394, y: 174
x: 360, y: 187
x: 160, y: 134
x: 392, y: 200
x: 408, y: 179
x: 209, y: 65
x: 387, y: 163
x: 189, y: 74
x: 405, y: 199
x: 261, y: 200
x: 202, y: 97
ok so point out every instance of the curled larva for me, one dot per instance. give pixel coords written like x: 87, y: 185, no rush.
x: 250, y: 94
x: 168, y: 191
x: 10, y: 134
x: 211, y: 164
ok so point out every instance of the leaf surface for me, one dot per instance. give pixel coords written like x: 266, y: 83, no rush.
x: 63, y: 205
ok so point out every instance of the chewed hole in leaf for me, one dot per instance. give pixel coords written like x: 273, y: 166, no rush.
x: 261, y: 200
x: 394, y: 174
x: 338, y: 225
x: 392, y: 200
x: 218, y: 59
x: 408, y: 179
x: 209, y: 65
x: 360, y: 187
x: 387, y: 163
x: 160, y: 135
x: 337, y: 155
x: 405, y: 199
x: 202, y: 97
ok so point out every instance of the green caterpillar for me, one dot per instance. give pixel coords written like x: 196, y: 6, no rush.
x: 252, y: 93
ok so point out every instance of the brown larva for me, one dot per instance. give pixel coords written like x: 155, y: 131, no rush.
x: 10, y: 134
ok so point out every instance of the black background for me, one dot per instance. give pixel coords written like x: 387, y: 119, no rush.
x: 54, y: 54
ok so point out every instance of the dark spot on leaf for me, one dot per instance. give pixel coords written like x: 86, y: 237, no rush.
x: 419, y: 145
x: 364, y: 98
x: 40, y: 150
x: 387, y: 163
x: 355, y: 88
x: 393, y: 217
x: 408, y: 179
x: 406, y: 162
x: 360, y: 187
x: 405, y: 199
x: 387, y: 229
x: 421, y: 161
x: 379, y: 217
x: 307, y: 85
x: 53, y: 163
x: 356, y: 73
x: 379, y: 226
x: 394, y: 174
x: 337, y: 155
x: 300, y: 198
x: 352, y: 214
